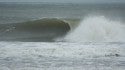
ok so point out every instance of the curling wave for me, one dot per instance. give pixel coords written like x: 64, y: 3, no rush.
x: 39, y: 30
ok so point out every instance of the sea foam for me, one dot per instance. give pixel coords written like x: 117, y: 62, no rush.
x: 98, y: 29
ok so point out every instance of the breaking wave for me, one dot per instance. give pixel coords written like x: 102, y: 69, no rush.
x: 98, y: 29
x: 90, y: 29
x: 45, y: 29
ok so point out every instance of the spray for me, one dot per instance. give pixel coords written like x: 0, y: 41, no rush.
x: 98, y: 29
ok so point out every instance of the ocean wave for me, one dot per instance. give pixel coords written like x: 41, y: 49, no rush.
x: 45, y: 29
x: 98, y: 29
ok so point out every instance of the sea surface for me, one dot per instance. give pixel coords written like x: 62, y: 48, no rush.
x: 62, y: 36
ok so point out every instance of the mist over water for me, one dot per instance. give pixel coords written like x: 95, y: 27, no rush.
x: 98, y: 29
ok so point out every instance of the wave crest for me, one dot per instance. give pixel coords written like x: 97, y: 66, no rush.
x: 98, y: 29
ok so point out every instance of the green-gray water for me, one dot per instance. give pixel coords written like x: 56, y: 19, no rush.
x: 60, y: 36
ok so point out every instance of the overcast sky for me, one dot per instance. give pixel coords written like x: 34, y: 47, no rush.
x: 76, y: 1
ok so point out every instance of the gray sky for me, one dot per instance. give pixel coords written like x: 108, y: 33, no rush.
x: 76, y: 1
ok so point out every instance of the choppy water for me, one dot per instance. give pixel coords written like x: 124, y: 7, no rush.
x: 50, y: 36
x: 61, y: 56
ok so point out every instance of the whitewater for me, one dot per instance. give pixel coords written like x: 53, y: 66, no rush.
x: 51, y: 36
x: 98, y: 29
x: 88, y: 47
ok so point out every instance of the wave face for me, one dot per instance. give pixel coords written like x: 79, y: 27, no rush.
x: 90, y: 29
x: 98, y: 29
x: 39, y: 30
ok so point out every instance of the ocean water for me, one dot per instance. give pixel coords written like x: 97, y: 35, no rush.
x: 58, y: 36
